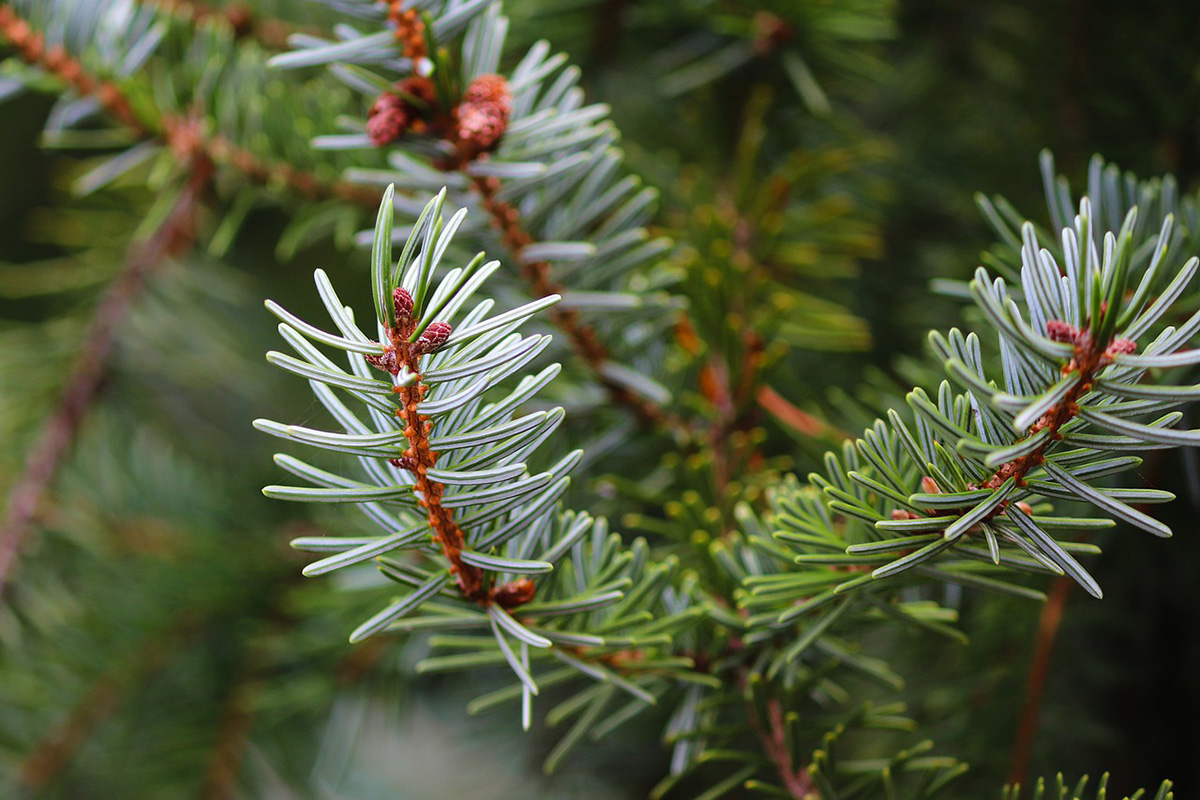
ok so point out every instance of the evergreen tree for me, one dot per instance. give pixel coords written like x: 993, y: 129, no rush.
x: 643, y: 475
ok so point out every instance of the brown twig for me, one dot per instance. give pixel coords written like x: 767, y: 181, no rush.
x: 32, y: 47
x: 1035, y: 684
x: 402, y: 354
x: 174, y: 235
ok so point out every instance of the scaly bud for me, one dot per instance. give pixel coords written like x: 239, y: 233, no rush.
x: 1060, y: 331
x: 403, y: 303
x: 432, y: 338
x: 387, y: 119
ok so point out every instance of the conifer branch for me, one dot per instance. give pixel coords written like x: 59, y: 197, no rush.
x: 174, y: 236
x: 185, y: 135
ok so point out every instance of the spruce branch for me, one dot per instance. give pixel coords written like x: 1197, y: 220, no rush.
x: 983, y: 459
x: 174, y: 236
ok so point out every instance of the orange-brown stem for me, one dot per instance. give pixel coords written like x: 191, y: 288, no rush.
x: 31, y: 46
x: 419, y: 458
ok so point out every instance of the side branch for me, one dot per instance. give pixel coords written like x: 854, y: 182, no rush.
x: 31, y: 46
x: 583, y: 337
x: 54, y: 441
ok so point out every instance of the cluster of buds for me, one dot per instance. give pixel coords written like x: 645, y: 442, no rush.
x: 1060, y: 331
x: 393, y: 113
x: 482, y: 117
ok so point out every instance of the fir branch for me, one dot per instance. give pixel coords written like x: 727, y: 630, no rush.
x: 173, y: 236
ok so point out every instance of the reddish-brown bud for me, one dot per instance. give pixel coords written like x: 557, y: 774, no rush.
x: 901, y: 513
x: 1060, y: 331
x: 387, y: 119
x: 929, y: 485
x: 484, y: 111
x: 431, y: 338
x: 403, y: 303
x: 516, y: 593
x: 403, y: 462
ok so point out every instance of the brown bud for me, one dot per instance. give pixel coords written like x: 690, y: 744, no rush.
x: 403, y: 462
x: 516, y: 593
x: 432, y: 338
x: 1122, y: 346
x: 929, y: 485
x: 386, y: 362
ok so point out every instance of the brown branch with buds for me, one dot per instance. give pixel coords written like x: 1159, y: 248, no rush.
x: 401, y: 353
x: 474, y: 128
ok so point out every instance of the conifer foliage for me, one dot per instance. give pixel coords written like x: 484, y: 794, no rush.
x: 532, y: 358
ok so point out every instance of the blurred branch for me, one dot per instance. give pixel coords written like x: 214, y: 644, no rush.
x: 174, y: 235
x: 1039, y: 670
x: 271, y: 34
x: 183, y: 134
